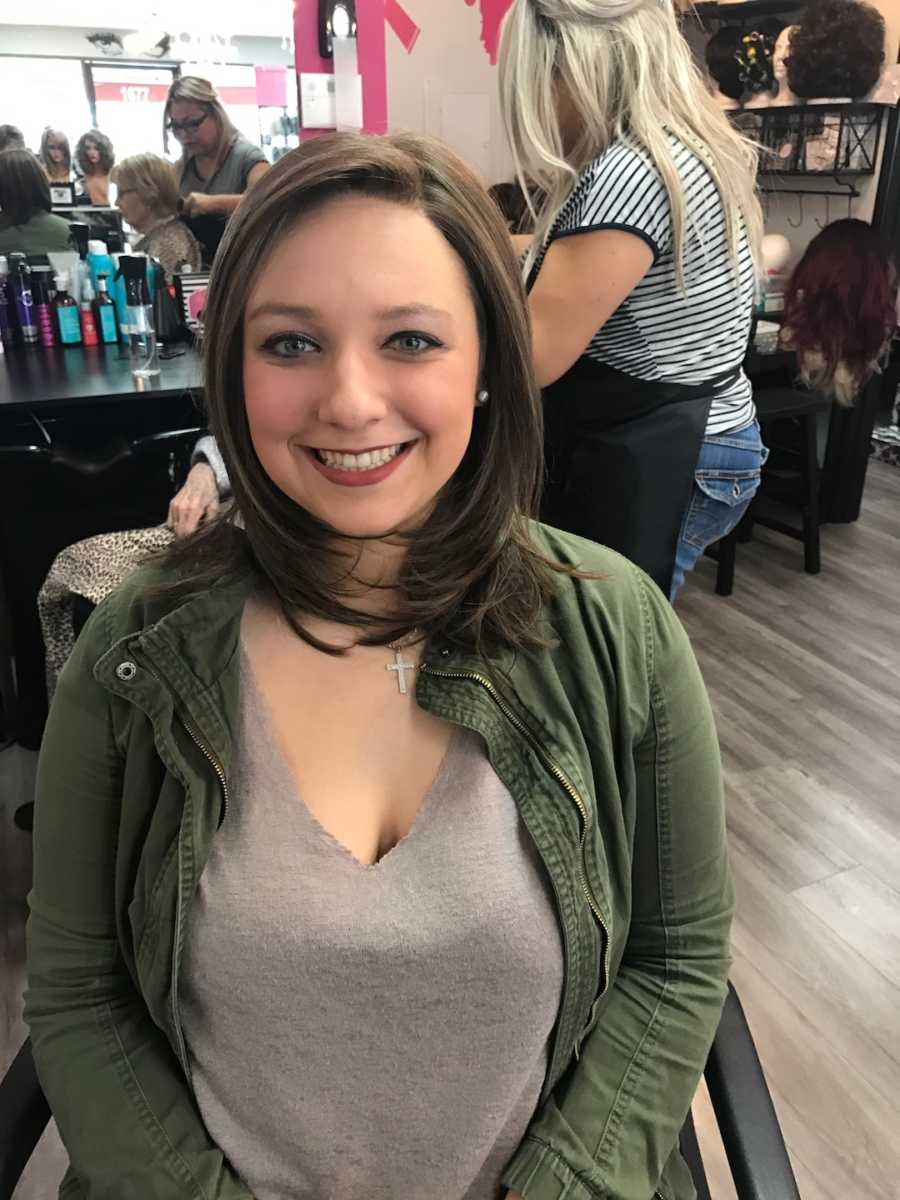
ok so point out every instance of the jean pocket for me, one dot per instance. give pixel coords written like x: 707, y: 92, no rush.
x: 719, y: 501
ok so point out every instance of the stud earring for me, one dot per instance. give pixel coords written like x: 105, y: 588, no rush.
x: 482, y: 398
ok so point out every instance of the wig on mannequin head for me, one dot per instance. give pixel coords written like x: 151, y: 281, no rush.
x: 620, y: 69
x: 723, y: 60
x: 755, y: 56
x: 840, y: 309
x: 837, y: 50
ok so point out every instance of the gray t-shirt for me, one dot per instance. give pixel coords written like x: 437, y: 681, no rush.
x: 378, y: 1032
x: 230, y: 177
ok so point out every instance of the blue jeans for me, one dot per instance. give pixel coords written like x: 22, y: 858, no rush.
x: 726, y: 480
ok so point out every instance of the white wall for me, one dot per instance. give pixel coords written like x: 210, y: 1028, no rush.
x: 71, y: 42
x: 447, y: 86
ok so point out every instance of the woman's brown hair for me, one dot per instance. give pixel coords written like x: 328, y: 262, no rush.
x: 24, y: 189
x: 471, y: 575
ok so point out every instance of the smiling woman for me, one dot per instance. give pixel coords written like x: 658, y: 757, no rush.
x: 365, y: 819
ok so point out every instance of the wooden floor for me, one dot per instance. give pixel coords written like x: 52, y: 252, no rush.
x: 804, y: 673
x: 805, y: 678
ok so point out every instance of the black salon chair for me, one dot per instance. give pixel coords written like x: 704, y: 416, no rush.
x: 788, y: 496
x: 746, y: 1118
x: 54, y: 493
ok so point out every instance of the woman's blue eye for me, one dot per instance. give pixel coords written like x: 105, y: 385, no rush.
x: 414, y: 343
x: 289, y: 345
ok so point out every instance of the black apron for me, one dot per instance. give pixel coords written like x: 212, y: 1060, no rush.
x: 621, y: 454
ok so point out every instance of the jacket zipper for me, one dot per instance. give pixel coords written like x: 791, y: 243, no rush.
x: 568, y: 787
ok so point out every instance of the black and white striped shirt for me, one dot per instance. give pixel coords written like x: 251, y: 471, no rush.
x: 661, y: 332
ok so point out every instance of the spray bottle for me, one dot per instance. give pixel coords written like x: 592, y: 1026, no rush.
x: 139, y: 316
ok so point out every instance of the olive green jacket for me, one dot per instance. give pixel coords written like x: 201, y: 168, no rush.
x: 607, y: 744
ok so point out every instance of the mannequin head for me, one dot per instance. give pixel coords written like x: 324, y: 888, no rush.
x: 776, y: 251
x: 839, y: 309
x: 780, y: 54
x: 837, y: 52
x: 723, y: 52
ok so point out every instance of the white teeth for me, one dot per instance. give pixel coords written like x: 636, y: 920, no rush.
x: 359, y: 462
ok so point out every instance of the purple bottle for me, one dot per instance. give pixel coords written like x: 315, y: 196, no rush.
x: 40, y: 290
x: 20, y: 281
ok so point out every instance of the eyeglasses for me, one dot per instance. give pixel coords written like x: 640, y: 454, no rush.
x: 182, y: 127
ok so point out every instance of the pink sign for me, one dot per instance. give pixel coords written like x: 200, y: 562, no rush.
x: 492, y: 14
x: 271, y: 87
x: 402, y: 24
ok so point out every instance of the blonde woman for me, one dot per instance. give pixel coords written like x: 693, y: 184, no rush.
x: 55, y: 155
x: 217, y: 165
x: 147, y: 196
x: 640, y: 274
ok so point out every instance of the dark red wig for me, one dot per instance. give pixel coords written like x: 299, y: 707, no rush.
x: 840, y: 310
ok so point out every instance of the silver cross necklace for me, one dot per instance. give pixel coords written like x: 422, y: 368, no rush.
x: 399, y: 665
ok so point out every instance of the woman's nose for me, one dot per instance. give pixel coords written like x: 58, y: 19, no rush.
x: 353, y: 395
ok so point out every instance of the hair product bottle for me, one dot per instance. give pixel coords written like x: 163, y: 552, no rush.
x: 98, y: 261
x: 139, y: 317
x: 105, y: 313
x: 67, y: 312
x: 20, y: 280
x: 5, y: 325
x: 40, y: 290
x: 89, y: 334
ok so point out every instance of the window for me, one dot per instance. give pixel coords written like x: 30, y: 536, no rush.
x: 130, y: 104
x: 36, y: 92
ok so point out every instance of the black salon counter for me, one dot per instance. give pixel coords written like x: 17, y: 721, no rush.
x: 53, y: 382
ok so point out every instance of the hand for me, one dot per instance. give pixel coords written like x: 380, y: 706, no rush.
x: 194, y: 204
x: 197, y: 501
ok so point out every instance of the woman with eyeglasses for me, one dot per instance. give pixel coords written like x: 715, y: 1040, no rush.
x: 217, y: 165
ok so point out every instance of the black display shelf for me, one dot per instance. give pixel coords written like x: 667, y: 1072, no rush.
x: 732, y: 14
x: 824, y: 142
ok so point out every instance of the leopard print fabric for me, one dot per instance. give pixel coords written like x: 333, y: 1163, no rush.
x: 91, y: 568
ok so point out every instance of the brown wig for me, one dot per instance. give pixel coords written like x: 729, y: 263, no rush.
x: 840, y: 309
x: 723, y: 60
x: 837, y: 50
x: 471, y: 574
x: 24, y: 189
x: 103, y: 144
x: 59, y: 138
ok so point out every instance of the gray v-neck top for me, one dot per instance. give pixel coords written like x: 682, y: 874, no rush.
x: 379, y: 1031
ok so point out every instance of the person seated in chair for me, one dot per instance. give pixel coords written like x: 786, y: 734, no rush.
x: 379, y: 840
x: 147, y: 196
x: 27, y: 226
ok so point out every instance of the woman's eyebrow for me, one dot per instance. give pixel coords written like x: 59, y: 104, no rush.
x: 302, y: 312
x: 305, y: 312
x: 404, y: 311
